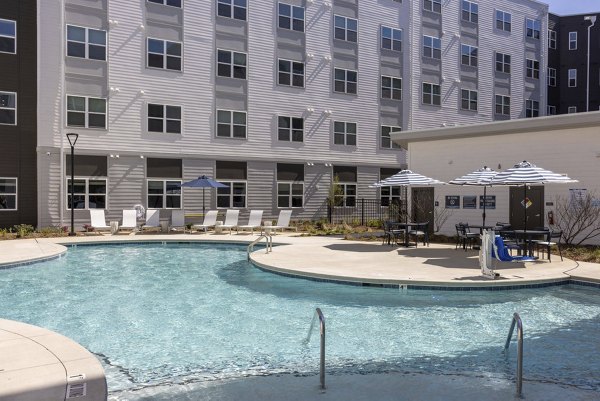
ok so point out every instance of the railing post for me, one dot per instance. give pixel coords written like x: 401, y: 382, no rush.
x: 517, y: 321
x: 322, y: 364
x: 362, y: 214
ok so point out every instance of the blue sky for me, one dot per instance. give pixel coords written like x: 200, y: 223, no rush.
x: 565, y: 7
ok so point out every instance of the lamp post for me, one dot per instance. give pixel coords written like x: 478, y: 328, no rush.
x: 72, y: 140
x: 591, y: 18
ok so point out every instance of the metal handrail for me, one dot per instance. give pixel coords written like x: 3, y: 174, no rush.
x: 517, y: 319
x: 269, y: 241
x: 322, y: 354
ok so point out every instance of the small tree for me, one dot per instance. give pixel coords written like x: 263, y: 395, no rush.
x: 578, y: 219
x: 440, y: 216
x: 336, y: 193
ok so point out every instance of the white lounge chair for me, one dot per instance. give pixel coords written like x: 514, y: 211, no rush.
x: 253, y: 221
x: 152, y: 219
x: 283, y: 222
x: 210, y: 219
x: 178, y: 220
x: 129, y: 220
x: 231, y: 219
x: 98, y: 220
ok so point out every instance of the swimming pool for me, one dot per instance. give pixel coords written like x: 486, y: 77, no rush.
x: 178, y: 313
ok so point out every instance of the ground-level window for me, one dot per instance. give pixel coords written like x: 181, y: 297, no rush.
x: 503, y: 105
x: 164, y: 194
x: 234, y: 175
x: 389, y: 195
x: 572, y: 109
x: 88, y: 193
x: 551, y: 110
x: 290, y: 185
x: 346, y: 180
x: 8, y: 194
x: 8, y: 36
x: 8, y: 108
x: 532, y: 108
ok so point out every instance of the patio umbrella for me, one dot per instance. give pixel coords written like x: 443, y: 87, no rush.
x: 203, y: 182
x: 481, y: 177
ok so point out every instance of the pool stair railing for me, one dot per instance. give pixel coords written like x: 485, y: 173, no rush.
x: 318, y: 314
x: 269, y: 244
x: 517, y: 320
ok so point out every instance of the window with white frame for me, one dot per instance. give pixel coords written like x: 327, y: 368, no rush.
x: 86, y: 43
x: 534, y: 27
x: 389, y: 195
x: 503, y: 105
x: 291, y: 17
x: 86, y: 112
x: 551, y: 110
x: 503, y: 21
x: 235, y: 9
x: 231, y: 64
x: 233, y: 174
x: 432, y: 5
x: 432, y: 94
x: 532, y: 108
x: 290, y: 185
x: 572, y: 109
x: 468, y: 55
x: 533, y: 69
x: 164, y: 118
x: 551, y: 76
x: 344, y: 133
x: 572, y: 76
x: 345, y: 81
x: 88, y: 193
x: 290, y: 73
x: 391, y: 38
x: 231, y: 124
x: 172, y: 3
x: 164, y: 194
x: 503, y: 62
x: 290, y: 129
x: 470, y: 11
x: 391, y: 88
x: 385, y: 139
x: 432, y: 47
x: 8, y: 108
x: 164, y: 54
x: 346, y: 183
x: 8, y: 193
x: 468, y: 100
x: 345, y: 28
x: 572, y: 40
x: 8, y: 36
x: 551, y: 39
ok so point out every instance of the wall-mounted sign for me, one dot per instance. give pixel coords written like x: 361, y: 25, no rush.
x: 490, y: 201
x: 452, y: 202
x: 469, y: 202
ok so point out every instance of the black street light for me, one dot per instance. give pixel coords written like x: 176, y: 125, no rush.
x: 72, y: 140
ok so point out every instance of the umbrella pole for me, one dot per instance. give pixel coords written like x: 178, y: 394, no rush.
x: 203, y: 207
x: 484, y: 202
x: 525, y: 207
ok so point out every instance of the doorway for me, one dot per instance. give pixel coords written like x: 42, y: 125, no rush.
x: 422, y: 206
x: 535, y: 208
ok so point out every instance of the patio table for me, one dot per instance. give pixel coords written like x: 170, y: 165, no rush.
x: 527, y: 237
x: 406, y: 227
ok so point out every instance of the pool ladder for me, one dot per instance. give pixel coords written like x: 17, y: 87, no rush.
x: 319, y: 314
x: 269, y: 240
x: 517, y: 320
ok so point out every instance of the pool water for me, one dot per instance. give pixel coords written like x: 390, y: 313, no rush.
x: 177, y: 313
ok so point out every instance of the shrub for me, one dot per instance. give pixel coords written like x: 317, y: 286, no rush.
x: 23, y: 230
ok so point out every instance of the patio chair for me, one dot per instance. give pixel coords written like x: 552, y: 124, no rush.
x: 98, y: 220
x: 283, y: 222
x: 210, y: 219
x: 178, y: 221
x: 253, y: 221
x: 548, y: 243
x: 421, y: 229
x: 231, y: 219
x: 152, y: 219
x: 463, y: 237
x: 129, y: 220
x: 500, y: 252
x: 391, y: 232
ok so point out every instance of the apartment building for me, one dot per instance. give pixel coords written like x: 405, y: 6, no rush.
x: 18, y: 127
x: 272, y: 98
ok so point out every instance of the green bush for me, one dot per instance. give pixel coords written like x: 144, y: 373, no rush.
x: 23, y: 230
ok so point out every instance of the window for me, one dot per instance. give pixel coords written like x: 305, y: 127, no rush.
x: 164, y: 54
x: 235, y: 9
x: 533, y: 69
x: 164, y: 118
x: 503, y: 21
x: 432, y: 5
x: 290, y: 185
x: 551, y: 39
x: 432, y: 94
x: 386, y: 141
x: 8, y: 194
x: 390, y: 195
x: 291, y: 17
x: 86, y: 112
x: 391, y: 88
x: 432, y: 47
x: 572, y: 109
x: 290, y: 73
x: 469, y: 100
x: 8, y: 36
x: 231, y: 64
x: 345, y: 28
x: 534, y: 27
x: 86, y: 43
x: 468, y: 55
x: 503, y: 63
x: 8, y: 108
x: 572, y: 40
x: 391, y: 39
x: 572, y: 78
x: 344, y: 81
x: 532, y: 108
x: 172, y: 3
x: 551, y: 76
x: 551, y: 110
x: 346, y: 177
x: 234, y: 175
x: 503, y: 105
x: 344, y: 133
x: 88, y: 193
x: 231, y: 124
x: 164, y: 194
x: 470, y: 11
x: 290, y: 129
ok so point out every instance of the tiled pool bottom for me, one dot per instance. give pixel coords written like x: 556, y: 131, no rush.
x: 196, y: 313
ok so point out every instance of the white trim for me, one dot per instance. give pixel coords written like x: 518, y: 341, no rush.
x: 346, y: 29
x: 575, y: 41
x: 431, y: 94
x: 345, y: 81
x: 504, y: 14
x: 232, y: 64
x: 230, y: 124
x: 86, y: 42
x: 12, y: 37
x: 291, y: 28
x: 86, y: 112
x: 391, y: 87
x: 164, y: 193
x: 292, y: 73
x: 381, y: 27
x: 16, y: 194
x: 290, y: 196
x: 345, y: 133
x: 569, y: 78
x: 164, y: 55
x: 87, y: 193
x: 164, y: 3
x: 164, y: 118
x: 229, y: 183
x: 432, y: 47
x: 231, y: 9
x: 291, y: 129
x: 9, y: 108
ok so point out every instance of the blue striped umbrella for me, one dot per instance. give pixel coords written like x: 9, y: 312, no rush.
x: 480, y: 177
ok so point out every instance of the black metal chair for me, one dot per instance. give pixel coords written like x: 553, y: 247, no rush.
x: 421, y: 229
x: 391, y: 231
x: 464, y: 238
x: 510, y: 240
x: 548, y: 243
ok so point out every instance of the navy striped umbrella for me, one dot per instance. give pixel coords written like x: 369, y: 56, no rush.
x: 480, y: 177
